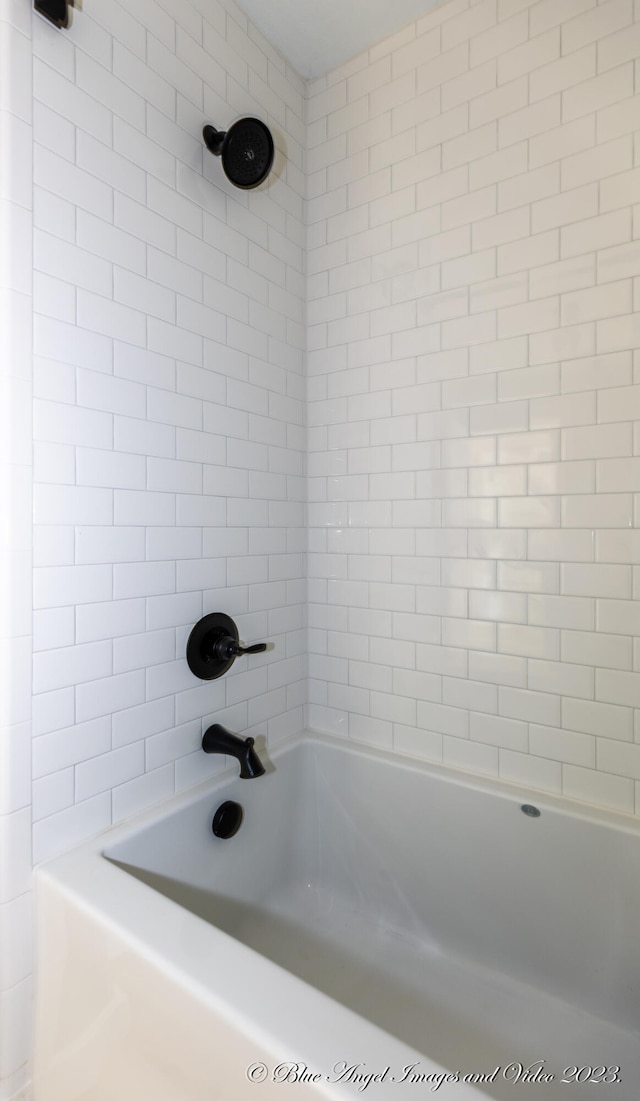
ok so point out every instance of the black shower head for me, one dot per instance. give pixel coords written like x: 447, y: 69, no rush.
x: 246, y: 149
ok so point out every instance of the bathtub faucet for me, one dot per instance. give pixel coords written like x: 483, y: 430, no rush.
x: 218, y: 740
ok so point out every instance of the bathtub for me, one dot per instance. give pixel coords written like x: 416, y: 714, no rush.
x: 376, y: 927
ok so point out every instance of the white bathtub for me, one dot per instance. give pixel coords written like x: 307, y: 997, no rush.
x: 376, y: 927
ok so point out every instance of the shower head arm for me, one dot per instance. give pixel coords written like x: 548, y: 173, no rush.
x: 214, y: 139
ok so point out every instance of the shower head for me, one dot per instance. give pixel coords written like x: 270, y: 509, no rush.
x: 246, y: 149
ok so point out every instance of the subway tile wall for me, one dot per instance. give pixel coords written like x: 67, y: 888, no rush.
x: 474, y: 394
x: 472, y: 245
x: 168, y: 404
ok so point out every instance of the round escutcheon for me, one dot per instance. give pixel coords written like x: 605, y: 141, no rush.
x: 227, y: 819
x: 202, y: 658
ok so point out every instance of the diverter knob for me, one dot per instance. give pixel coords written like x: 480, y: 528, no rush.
x: 214, y: 645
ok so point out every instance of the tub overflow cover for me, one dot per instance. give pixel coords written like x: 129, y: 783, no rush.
x: 227, y: 819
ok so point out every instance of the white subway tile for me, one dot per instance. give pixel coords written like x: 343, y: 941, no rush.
x: 594, y: 303
x: 498, y: 606
x: 464, y: 26
x: 469, y: 512
x: 597, y: 373
x: 561, y: 210
x: 472, y: 633
x: 472, y: 695
x: 136, y: 795
x: 617, y: 475
x: 441, y: 541
x: 502, y: 732
x: 492, y: 105
x: 502, y: 355
x: 617, y: 119
x: 595, y: 233
x: 619, y: 616
x: 471, y: 756
x: 491, y: 167
x: 103, y: 697
x: 521, y: 703
x: 108, y: 771
x: 529, y: 447
x: 507, y: 416
x: 512, y: 225
x: 619, y: 404
x: 561, y: 611
x: 605, y: 580
x: 476, y: 451
x: 498, y: 482
x: 468, y: 85
x: 466, y: 331
x: 58, y: 586
x: 497, y: 293
x: 67, y: 828
x: 561, y: 412
x: 604, y: 160
x: 602, y: 719
x: 619, y: 758
x: 530, y: 771
x: 602, y: 510
x: 618, y: 334
x: 562, y: 141
x: 591, y: 786
x: 443, y: 720
x: 595, y: 24
x: 586, y: 648
x: 564, y: 477
x: 66, y: 747
x: 567, y: 746
x: 531, y: 55
x: 596, y: 442
x: 530, y: 642
x: 529, y: 121
x: 529, y: 382
x: 529, y: 577
x: 597, y: 93
x: 617, y: 546
x: 436, y: 601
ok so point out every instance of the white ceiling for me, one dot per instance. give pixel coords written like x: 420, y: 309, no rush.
x: 317, y: 35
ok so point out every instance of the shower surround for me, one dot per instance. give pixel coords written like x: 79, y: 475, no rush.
x: 473, y: 397
x: 168, y: 435
x: 472, y: 245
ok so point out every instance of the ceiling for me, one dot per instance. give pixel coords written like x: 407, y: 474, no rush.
x: 318, y: 35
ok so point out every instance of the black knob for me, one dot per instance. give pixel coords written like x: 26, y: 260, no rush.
x: 227, y: 819
x: 214, y: 645
x: 226, y: 647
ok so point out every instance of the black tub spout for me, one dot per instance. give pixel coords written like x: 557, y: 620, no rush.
x: 218, y: 740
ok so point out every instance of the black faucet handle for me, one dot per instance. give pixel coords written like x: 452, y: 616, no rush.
x: 227, y: 647
x: 214, y: 644
x: 257, y: 648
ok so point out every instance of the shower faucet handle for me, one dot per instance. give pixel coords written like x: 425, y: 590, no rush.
x: 214, y: 644
x: 257, y: 648
x: 226, y: 647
